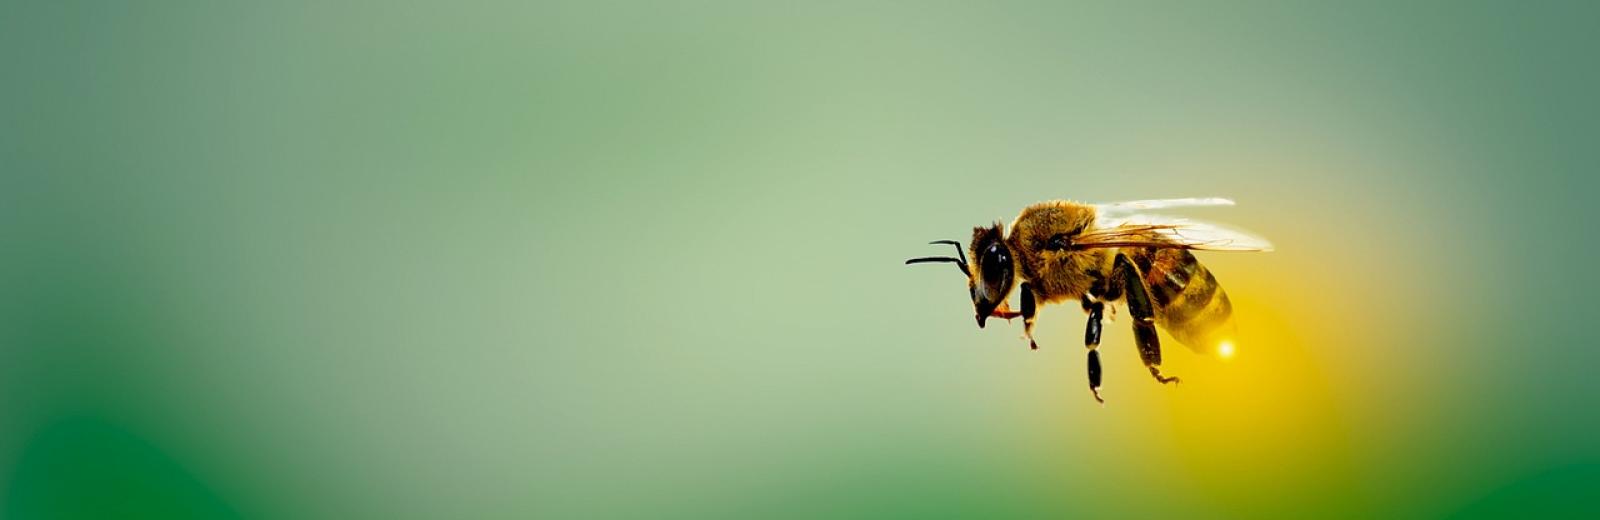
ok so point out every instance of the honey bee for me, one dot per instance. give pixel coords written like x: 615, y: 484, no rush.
x: 1101, y: 254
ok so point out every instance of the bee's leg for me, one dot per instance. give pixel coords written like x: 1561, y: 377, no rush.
x: 1094, y: 375
x: 1091, y: 333
x: 1144, y: 320
x: 1027, y: 315
x: 1091, y: 340
x: 1108, y: 291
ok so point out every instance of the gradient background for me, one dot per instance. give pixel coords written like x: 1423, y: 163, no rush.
x: 643, y: 260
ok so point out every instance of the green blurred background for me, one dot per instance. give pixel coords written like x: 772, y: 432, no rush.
x: 602, y: 259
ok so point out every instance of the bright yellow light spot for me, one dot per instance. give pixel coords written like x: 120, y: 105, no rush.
x: 1226, y: 349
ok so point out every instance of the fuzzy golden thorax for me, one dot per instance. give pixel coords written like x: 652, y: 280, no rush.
x: 1055, y: 273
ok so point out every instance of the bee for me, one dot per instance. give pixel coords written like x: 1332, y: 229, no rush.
x: 1100, y: 254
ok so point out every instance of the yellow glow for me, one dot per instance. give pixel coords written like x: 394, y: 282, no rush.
x: 1226, y: 349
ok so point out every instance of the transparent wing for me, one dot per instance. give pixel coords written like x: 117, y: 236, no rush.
x: 1135, y: 206
x: 1167, y: 232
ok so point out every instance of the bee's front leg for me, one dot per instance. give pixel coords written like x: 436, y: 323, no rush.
x: 1027, y: 315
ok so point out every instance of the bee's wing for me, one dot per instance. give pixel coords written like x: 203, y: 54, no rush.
x: 1167, y: 232
x: 1129, y: 207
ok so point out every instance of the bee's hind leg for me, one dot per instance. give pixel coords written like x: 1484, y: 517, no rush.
x: 1144, y: 333
x: 1144, y: 324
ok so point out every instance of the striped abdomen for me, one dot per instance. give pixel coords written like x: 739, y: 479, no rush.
x: 1188, y: 302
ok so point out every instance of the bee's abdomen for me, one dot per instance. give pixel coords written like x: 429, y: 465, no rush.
x: 1188, y: 302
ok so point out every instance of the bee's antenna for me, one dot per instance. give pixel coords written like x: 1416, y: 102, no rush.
x: 958, y: 251
x: 960, y: 262
x: 927, y: 259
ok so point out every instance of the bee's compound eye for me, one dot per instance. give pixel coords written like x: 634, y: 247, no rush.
x: 995, y: 262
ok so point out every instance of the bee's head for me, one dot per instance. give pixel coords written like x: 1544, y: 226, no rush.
x: 991, y: 282
x: 995, y: 272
